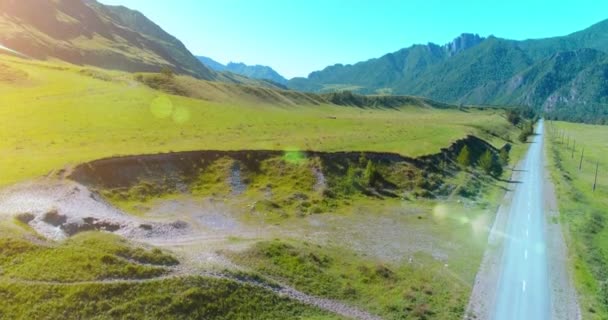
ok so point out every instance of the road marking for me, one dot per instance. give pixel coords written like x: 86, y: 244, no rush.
x: 526, y: 254
x: 523, y: 286
x: 528, y: 216
x: 527, y: 233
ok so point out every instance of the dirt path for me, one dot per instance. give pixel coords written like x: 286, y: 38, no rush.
x: 279, y: 289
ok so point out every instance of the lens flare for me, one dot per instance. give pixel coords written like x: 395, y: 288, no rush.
x: 161, y: 107
x: 480, y: 224
x: 440, y: 212
x: 464, y: 219
x: 294, y: 156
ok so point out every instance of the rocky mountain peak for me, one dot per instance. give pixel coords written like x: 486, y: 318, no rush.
x: 463, y: 42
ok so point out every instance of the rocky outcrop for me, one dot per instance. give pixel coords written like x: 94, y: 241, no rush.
x: 463, y: 42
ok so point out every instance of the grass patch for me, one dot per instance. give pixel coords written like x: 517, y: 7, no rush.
x: 581, y: 210
x: 84, y: 257
x: 183, y: 298
x: 393, y: 291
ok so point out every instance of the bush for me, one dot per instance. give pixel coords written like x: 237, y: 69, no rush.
x: 486, y: 162
x: 464, y: 157
x: 513, y: 117
x: 370, y: 173
x: 504, y: 156
x: 527, y: 131
x: 490, y: 164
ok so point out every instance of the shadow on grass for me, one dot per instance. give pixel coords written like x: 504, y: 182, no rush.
x: 509, y: 181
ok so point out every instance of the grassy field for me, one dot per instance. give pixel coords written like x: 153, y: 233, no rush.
x: 85, y: 257
x: 73, y: 279
x: 582, y: 209
x: 418, y: 290
x: 52, y: 115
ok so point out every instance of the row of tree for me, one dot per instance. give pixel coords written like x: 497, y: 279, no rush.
x: 489, y: 162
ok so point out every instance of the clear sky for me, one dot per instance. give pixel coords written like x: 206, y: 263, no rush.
x: 296, y: 37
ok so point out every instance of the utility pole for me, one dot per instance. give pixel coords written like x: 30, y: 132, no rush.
x: 597, y: 165
x: 580, y: 164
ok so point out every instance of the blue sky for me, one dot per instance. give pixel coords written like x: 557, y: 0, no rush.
x: 296, y: 37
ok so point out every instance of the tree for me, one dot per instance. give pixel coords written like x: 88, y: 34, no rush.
x: 362, y: 160
x: 497, y: 169
x: 504, y: 156
x: 167, y: 72
x: 513, y: 117
x: 370, y: 173
x: 349, y: 182
x: 490, y: 164
x: 523, y: 136
x: 486, y: 162
x: 464, y: 157
x: 528, y: 130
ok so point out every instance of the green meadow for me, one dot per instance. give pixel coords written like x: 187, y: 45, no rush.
x: 53, y: 115
x: 581, y: 209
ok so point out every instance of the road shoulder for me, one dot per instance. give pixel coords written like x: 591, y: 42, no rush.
x: 564, y: 297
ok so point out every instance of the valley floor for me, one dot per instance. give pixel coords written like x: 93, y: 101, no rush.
x: 337, y: 212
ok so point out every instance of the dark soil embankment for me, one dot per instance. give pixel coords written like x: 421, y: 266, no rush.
x: 342, y: 173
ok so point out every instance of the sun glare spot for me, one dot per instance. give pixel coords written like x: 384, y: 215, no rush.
x: 464, y: 219
x: 440, y: 212
x: 480, y: 224
x: 294, y: 156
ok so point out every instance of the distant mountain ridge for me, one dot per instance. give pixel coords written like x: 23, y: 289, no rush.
x: 255, y: 71
x: 566, y: 76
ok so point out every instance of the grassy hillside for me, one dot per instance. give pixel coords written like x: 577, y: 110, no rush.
x: 420, y: 290
x: 54, y: 114
x: 582, y: 209
x: 87, y: 32
x: 179, y: 298
x: 85, y: 257
x: 100, y: 276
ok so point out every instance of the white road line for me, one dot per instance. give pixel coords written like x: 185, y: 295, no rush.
x: 527, y: 233
x: 523, y: 286
x: 528, y: 216
x: 526, y: 254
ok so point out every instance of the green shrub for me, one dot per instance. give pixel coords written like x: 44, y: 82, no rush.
x: 464, y: 157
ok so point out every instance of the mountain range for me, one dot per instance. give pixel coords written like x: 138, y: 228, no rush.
x: 566, y: 77
x: 254, y: 72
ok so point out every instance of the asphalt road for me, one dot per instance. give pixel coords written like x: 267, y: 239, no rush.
x: 523, y: 290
